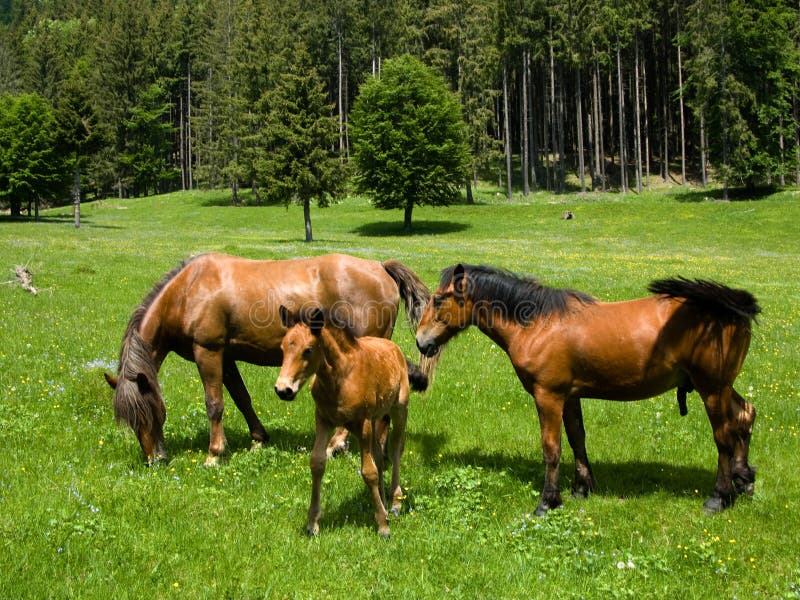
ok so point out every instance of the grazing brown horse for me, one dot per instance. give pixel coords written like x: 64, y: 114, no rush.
x: 217, y: 309
x: 358, y: 382
x: 566, y: 345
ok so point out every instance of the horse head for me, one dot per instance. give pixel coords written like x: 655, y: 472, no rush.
x: 302, y: 350
x: 448, y: 312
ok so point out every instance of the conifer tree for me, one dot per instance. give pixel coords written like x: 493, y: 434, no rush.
x: 295, y: 162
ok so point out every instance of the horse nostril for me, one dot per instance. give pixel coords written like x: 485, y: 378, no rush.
x: 284, y: 393
x: 428, y: 349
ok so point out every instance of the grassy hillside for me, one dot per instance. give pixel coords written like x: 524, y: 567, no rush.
x: 81, y: 515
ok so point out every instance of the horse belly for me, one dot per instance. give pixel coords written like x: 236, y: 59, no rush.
x: 634, y: 381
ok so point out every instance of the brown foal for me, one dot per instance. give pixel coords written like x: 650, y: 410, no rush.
x: 358, y: 382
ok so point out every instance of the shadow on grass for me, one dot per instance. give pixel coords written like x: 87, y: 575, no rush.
x: 396, y: 229
x: 238, y: 440
x: 59, y: 219
x: 621, y: 480
x: 734, y: 194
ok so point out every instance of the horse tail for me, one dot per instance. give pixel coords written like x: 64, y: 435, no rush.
x: 137, y: 395
x: 726, y: 303
x: 417, y: 378
x: 415, y: 296
x: 413, y: 292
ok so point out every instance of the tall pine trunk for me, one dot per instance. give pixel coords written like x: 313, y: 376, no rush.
x: 76, y: 192
x: 546, y: 134
x: 638, y: 127
x: 704, y: 174
x: 506, y: 133
x: 623, y: 179
x: 554, y: 121
x: 579, y: 115
x: 599, y: 145
x: 683, y: 121
x: 526, y: 190
x: 534, y: 152
x: 189, y: 125
x: 646, y: 126
x: 339, y: 91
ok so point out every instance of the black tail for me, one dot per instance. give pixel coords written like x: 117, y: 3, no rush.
x: 723, y: 301
x: 416, y: 377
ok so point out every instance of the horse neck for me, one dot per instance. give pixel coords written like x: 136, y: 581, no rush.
x: 338, y: 350
x: 150, y: 328
x: 497, y: 327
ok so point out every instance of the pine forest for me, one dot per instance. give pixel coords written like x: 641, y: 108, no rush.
x: 138, y: 97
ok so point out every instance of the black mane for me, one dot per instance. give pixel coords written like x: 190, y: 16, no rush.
x: 522, y: 299
x: 139, y: 312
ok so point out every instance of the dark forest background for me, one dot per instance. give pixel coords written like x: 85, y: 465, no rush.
x: 149, y: 96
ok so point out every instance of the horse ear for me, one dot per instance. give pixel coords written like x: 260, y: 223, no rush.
x: 287, y: 320
x: 459, y: 279
x: 316, y: 320
x: 111, y: 380
x: 143, y: 383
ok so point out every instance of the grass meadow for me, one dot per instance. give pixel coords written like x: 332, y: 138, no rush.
x: 81, y: 515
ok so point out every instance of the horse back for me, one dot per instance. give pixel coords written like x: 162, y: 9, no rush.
x: 632, y: 349
x: 218, y: 300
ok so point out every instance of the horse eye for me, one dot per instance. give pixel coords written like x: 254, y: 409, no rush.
x: 437, y: 301
x: 307, y: 353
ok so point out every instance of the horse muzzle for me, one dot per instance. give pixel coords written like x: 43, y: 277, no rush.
x: 427, y: 347
x: 285, y: 392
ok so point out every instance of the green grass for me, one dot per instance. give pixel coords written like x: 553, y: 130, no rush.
x: 82, y: 516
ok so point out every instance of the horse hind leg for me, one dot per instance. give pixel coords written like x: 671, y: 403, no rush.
x: 743, y: 474
x: 732, y: 421
x: 338, y: 442
x: 398, y: 434
x: 576, y: 436
x: 371, y: 473
x: 234, y: 383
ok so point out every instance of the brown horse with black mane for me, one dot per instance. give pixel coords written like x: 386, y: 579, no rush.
x: 565, y: 345
x: 217, y: 309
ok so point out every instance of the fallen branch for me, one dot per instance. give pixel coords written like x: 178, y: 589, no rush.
x: 25, y: 277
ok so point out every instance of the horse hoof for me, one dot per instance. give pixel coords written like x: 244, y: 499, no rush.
x: 581, y: 493
x: 337, y: 449
x: 312, y: 530
x: 256, y: 445
x: 385, y: 533
x: 159, y: 459
x: 211, y: 461
x: 713, y: 505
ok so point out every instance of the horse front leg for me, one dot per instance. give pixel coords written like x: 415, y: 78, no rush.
x: 319, y: 458
x: 241, y: 397
x: 209, y: 365
x: 371, y: 474
x: 576, y: 436
x: 550, y: 407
